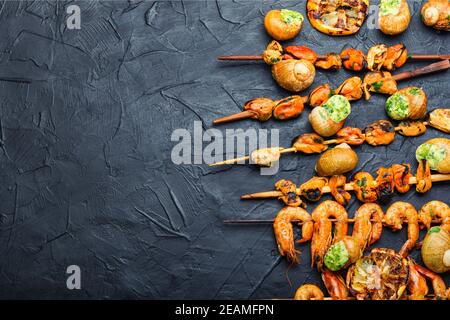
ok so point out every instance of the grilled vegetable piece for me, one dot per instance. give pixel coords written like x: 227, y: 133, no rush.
x: 337, y: 17
x: 379, y: 133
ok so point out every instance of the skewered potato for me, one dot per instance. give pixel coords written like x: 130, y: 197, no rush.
x: 337, y: 161
x: 435, y: 14
x: 394, y: 16
x: 283, y: 24
x: 294, y: 75
x: 437, y: 153
x: 407, y: 103
x: 329, y: 118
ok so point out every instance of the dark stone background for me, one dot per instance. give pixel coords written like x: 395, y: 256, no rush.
x: 86, y: 175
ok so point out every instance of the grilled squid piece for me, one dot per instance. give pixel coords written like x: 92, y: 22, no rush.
x: 407, y: 103
x: 294, y: 75
x: 356, y: 60
x: 402, y: 173
x: 337, y: 187
x: 309, y: 143
x: 364, y: 186
x: 380, y: 82
x: 265, y: 157
x: 351, y: 136
x: 411, y: 128
x: 380, y: 133
x: 288, y: 108
x: 437, y: 154
x: 423, y: 176
x: 385, y: 184
x: 435, y: 14
x: 319, y: 95
x: 351, y: 89
x: 289, y: 191
x: 332, y: 61
x: 302, y: 52
x: 394, y: 16
x: 329, y: 118
x: 396, y: 57
x: 440, y: 119
x: 312, y: 189
x: 261, y: 108
x: 376, y: 56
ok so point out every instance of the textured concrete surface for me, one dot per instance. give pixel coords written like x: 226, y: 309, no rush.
x: 85, y: 169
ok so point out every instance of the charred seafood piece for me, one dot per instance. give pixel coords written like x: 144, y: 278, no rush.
x: 332, y: 61
x: 320, y: 95
x: 351, y: 89
x: 385, y: 184
x: 356, y: 60
x: 312, y: 189
x: 337, y: 17
x: 402, y: 173
x: 337, y: 187
x: 288, y: 108
x: 302, y: 52
x: 309, y: 143
x: 380, y: 82
x: 261, y: 108
x: 351, y: 136
x: 396, y: 57
x: 365, y: 187
x: 289, y: 191
x: 380, y: 133
x: 411, y: 128
x: 423, y: 176
x: 376, y: 56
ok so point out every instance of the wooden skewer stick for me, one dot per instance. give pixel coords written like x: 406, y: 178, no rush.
x: 269, y: 221
x: 419, y: 57
x: 326, y: 189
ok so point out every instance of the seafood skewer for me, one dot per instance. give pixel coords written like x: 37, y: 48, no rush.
x: 381, y: 132
x: 378, y: 56
x: 326, y: 189
x: 353, y: 88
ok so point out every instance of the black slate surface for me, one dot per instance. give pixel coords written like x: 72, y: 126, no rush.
x: 85, y: 168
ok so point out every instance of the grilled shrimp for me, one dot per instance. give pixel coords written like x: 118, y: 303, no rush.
x: 366, y: 231
x: 335, y: 285
x: 395, y: 216
x: 308, y: 292
x: 284, y: 231
x: 337, y: 186
x: 435, y: 209
x: 322, y: 237
x: 402, y: 173
x: 423, y: 176
x: 417, y: 284
x: 437, y: 282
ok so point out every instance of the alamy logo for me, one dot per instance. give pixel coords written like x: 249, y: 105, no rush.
x: 74, y: 280
x: 74, y: 20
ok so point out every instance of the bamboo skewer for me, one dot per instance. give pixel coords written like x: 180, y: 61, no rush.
x: 434, y: 67
x: 326, y: 189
